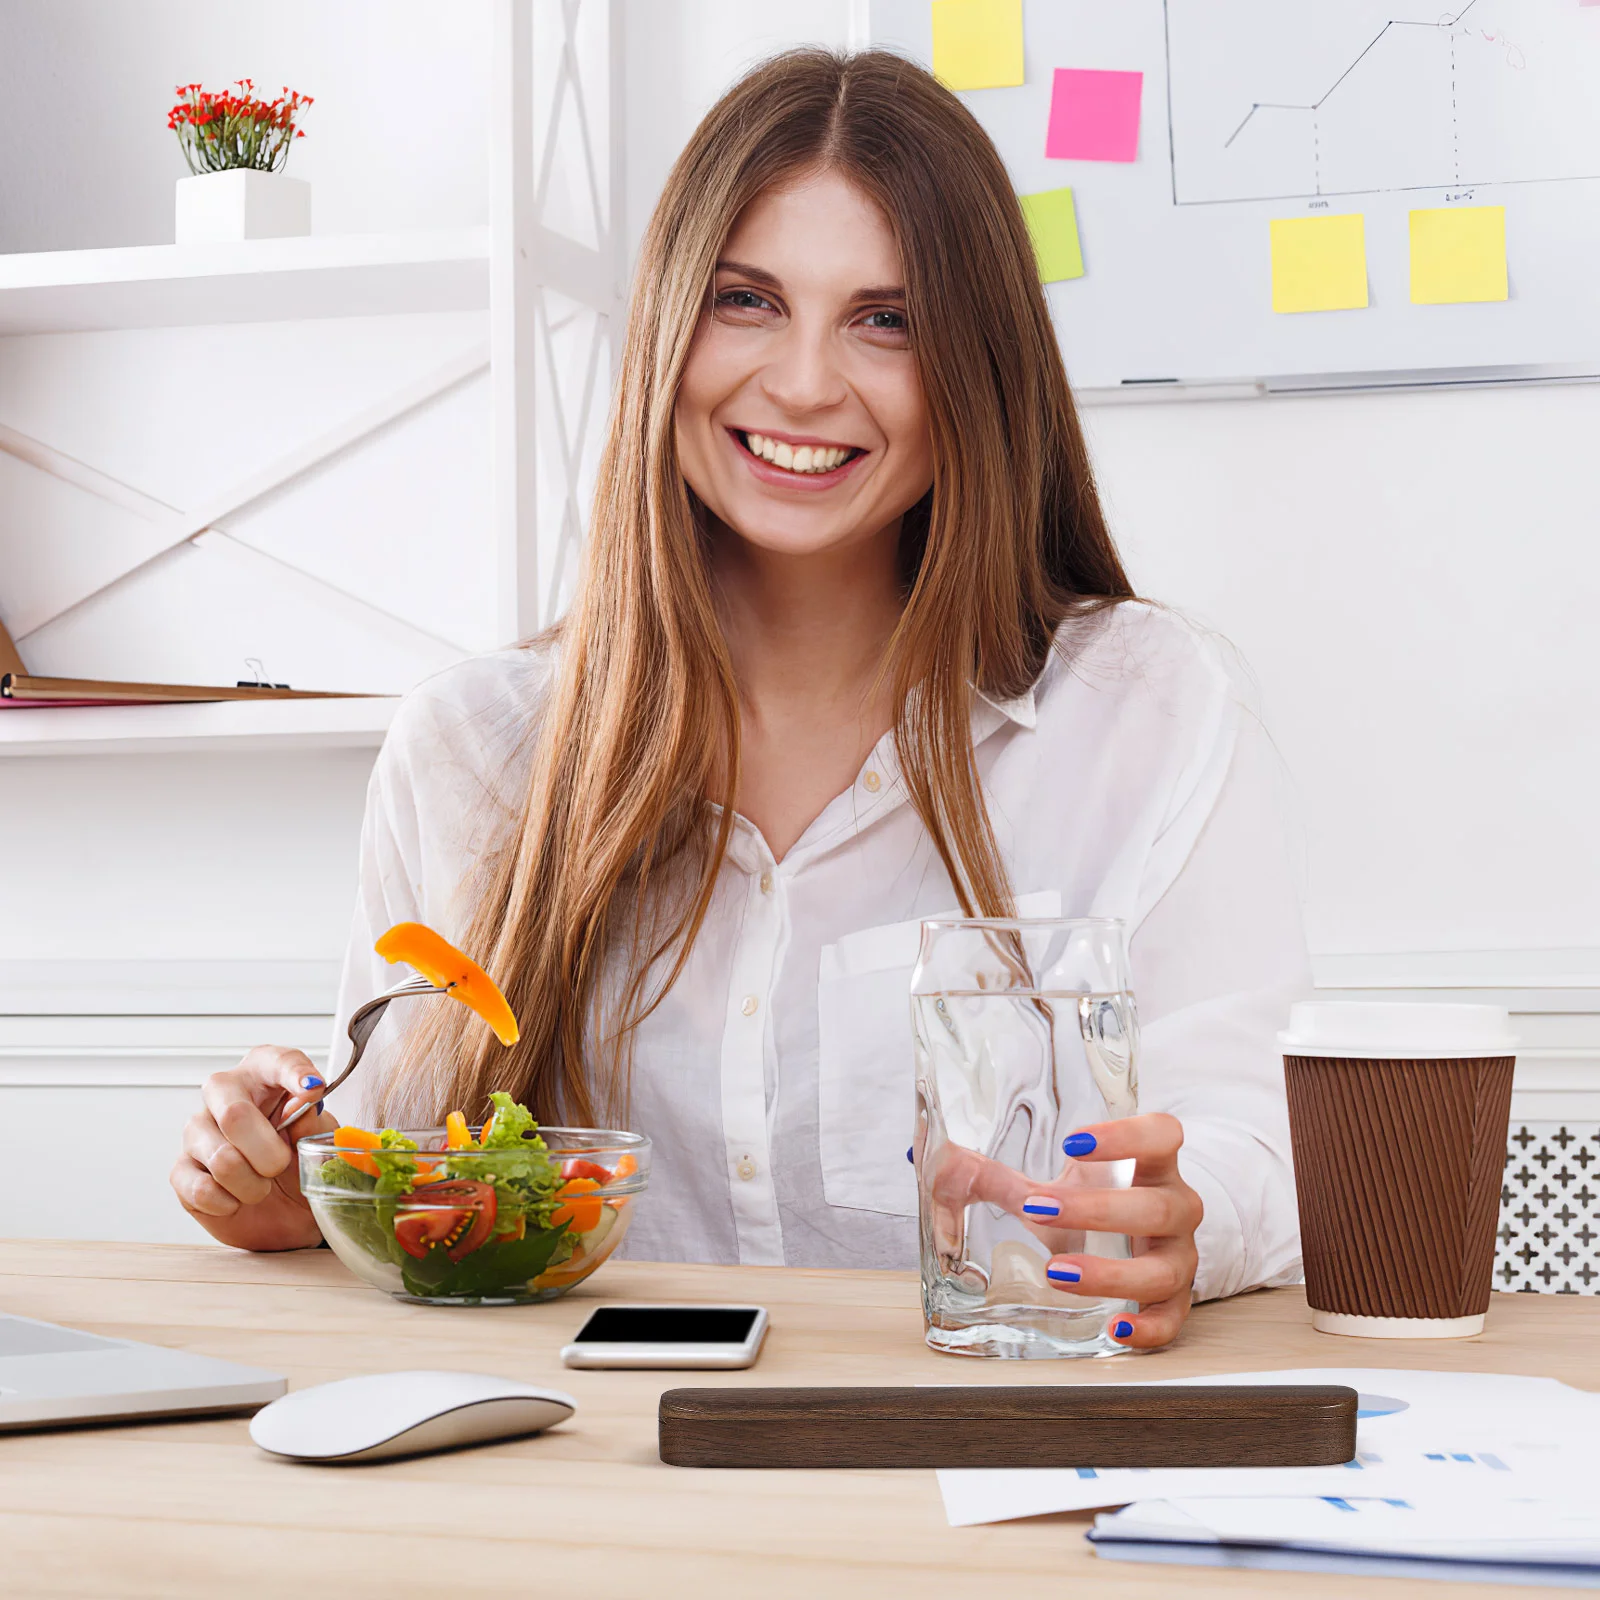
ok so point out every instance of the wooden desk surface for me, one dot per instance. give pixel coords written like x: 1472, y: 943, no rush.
x: 177, y: 1509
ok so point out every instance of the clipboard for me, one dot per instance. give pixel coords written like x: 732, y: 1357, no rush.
x: 20, y: 689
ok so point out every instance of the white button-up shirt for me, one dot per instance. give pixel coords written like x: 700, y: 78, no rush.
x: 776, y: 1078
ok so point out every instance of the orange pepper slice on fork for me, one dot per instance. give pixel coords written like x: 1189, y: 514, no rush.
x: 459, y: 976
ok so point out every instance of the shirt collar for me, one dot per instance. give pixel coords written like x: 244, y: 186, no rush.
x: 1021, y: 710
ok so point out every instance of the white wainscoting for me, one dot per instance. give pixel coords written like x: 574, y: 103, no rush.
x: 99, y: 1066
x: 100, y: 1062
x: 1553, y: 997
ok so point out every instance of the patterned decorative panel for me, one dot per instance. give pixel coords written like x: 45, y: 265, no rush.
x: 577, y: 306
x: 1549, y: 1240
x: 572, y: 383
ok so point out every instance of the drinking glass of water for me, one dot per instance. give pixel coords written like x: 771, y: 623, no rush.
x: 1025, y: 1031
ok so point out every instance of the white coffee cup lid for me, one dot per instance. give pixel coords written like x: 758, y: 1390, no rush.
x: 1389, y: 1030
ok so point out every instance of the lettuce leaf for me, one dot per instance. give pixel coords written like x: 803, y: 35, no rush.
x: 396, y: 1160
x: 511, y: 1124
x: 337, y: 1173
x: 501, y: 1266
x: 517, y: 1162
x: 367, y: 1225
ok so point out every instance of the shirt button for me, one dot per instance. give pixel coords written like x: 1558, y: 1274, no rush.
x: 746, y: 1169
x: 749, y: 1005
x: 766, y: 883
x: 872, y: 781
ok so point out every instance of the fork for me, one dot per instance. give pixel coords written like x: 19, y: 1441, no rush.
x: 361, y: 1027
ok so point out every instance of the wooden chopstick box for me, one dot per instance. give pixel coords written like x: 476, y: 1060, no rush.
x: 1027, y: 1425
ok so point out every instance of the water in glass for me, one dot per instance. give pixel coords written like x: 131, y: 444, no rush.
x: 1025, y: 1031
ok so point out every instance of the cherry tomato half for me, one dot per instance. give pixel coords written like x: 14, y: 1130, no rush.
x: 577, y: 1168
x: 458, y: 1215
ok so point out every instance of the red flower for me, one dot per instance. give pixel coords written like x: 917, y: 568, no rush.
x: 235, y: 126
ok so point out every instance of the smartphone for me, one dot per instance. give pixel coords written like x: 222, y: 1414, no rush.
x: 669, y: 1336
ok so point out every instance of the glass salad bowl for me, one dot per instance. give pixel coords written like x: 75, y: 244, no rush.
x: 433, y: 1220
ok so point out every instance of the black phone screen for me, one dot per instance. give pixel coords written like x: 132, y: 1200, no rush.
x: 668, y: 1325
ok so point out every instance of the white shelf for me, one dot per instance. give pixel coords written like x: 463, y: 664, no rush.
x: 257, y: 280
x: 221, y: 725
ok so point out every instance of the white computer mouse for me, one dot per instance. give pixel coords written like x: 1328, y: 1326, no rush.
x: 404, y: 1414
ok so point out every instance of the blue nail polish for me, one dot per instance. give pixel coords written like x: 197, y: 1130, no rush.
x: 1078, y: 1144
x: 1064, y: 1274
x: 320, y: 1105
x: 1123, y: 1330
x: 910, y: 1157
x: 311, y: 1081
x: 1040, y: 1208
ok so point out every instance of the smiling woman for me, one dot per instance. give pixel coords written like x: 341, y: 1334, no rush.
x: 803, y: 339
x: 852, y: 647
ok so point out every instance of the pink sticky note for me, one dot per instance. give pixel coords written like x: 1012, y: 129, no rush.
x: 1094, y: 116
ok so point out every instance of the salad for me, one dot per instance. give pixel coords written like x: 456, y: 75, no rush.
x: 492, y: 1216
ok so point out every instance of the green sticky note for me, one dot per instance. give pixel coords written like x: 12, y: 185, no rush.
x: 1052, y: 220
x: 1458, y: 253
x: 1319, y: 263
x: 977, y: 44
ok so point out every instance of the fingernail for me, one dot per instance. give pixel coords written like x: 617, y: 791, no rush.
x: 1123, y: 1330
x: 311, y: 1081
x: 1064, y: 1274
x: 1040, y: 1205
x: 1078, y: 1144
x: 320, y: 1105
x: 908, y: 1155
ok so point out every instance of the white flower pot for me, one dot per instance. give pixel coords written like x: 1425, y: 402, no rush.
x: 219, y: 207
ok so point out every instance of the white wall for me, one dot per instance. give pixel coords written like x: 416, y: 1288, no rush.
x: 396, y: 139
x: 181, y: 858
x: 1413, y: 579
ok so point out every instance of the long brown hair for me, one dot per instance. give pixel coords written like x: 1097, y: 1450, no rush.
x: 620, y: 845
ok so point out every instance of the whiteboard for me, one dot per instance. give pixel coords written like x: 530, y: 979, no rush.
x: 1257, y: 109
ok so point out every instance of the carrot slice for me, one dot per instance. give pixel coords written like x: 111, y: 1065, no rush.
x: 579, y: 1214
x: 457, y: 1135
x: 625, y: 1168
x: 350, y: 1142
x: 441, y: 963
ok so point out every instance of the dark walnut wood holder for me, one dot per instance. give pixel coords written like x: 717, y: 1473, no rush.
x: 1073, y: 1425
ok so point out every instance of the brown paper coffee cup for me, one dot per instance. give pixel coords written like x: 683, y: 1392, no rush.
x: 1398, y: 1116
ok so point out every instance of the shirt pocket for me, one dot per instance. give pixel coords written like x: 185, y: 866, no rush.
x: 866, y: 1062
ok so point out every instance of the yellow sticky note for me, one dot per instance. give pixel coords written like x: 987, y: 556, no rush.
x: 977, y: 44
x: 1458, y: 253
x: 1052, y: 220
x: 1319, y: 263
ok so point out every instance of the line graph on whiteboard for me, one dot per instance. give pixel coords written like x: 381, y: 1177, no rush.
x: 1314, y: 99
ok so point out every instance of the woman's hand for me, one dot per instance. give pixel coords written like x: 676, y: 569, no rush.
x: 1160, y: 1214
x: 237, y: 1176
